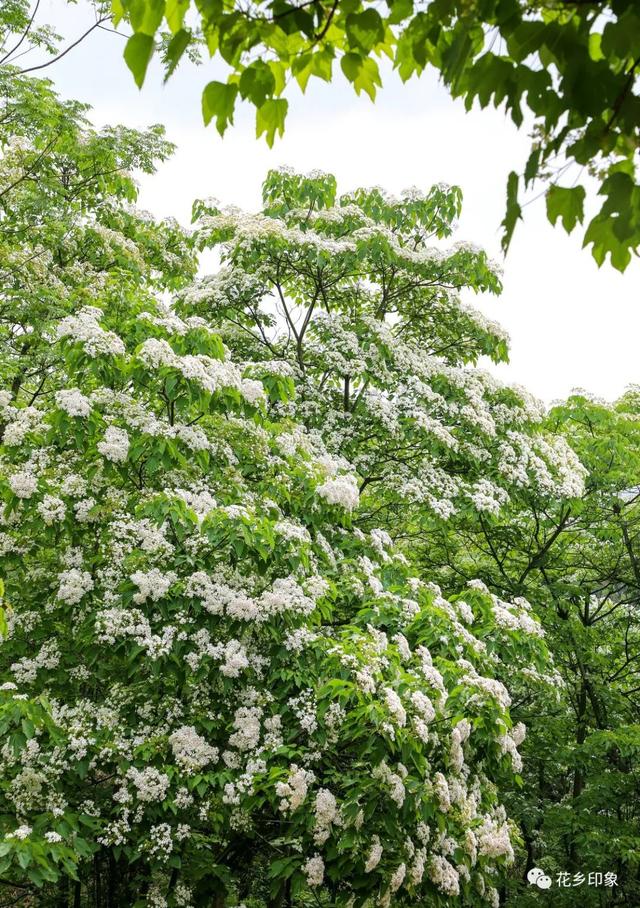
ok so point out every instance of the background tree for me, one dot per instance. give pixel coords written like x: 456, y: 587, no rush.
x: 209, y: 671
x: 68, y: 228
x: 345, y: 293
x: 577, y: 562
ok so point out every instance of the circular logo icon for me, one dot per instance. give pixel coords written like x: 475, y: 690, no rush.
x: 539, y: 878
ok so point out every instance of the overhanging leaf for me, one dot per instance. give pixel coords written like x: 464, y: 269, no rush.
x: 513, y: 213
x: 218, y: 100
x: 137, y: 54
x: 175, y: 50
x: 270, y: 119
x: 567, y: 204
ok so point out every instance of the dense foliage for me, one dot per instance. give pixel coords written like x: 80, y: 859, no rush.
x: 358, y: 299
x: 578, y: 564
x: 571, y: 67
x: 348, y: 293
x: 209, y: 667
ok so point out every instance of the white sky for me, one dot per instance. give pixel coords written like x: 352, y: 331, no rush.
x: 571, y: 324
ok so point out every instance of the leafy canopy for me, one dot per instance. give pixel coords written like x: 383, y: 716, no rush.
x: 571, y: 67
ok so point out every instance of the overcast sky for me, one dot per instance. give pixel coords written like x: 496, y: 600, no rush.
x: 571, y: 324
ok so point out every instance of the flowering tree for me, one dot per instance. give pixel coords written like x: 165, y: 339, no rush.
x: 210, y: 670
x: 69, y: 227
x: 357, y: 299
x: 577, y: 563
x: 219, y: 675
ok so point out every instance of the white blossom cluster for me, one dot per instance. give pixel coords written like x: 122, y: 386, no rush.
x: 85, y: 328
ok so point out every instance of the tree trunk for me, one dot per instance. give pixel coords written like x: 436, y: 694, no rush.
x: 578, y: 772
x: 62, y: 900
x: 112, y: 883
x: 97, y: 883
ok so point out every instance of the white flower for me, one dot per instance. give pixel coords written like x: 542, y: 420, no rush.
x: 150, y: 783
x: 293, y: 792
x: 247, y: 724
x: 84, y: 328
x: 342, y: 491
x: 326, y: 813
x: 252, y: 391
x: 443, y: 875
x: 375, y: 853
x: 235, y: 659
x: 190, y: 750
x: 53, y: 837
x: 23, y: 484
x: 395, y: 707
x: 494, y: 840
x: 115, y: 446
x: 423, y: 706
x: 22, y: 832
x: 52, y: 509
x: 152, y: 584
x: 73, y: 402
x: 73, y: 585
x: 313, y: 869
x: 398, y: 877
x: 416, y: 871
x: 442, y: 793
x: 394, y: 782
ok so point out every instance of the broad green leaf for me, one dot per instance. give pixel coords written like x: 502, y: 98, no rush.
x: 270, y: 119
x: 364, y: 30
x: 175, y: 11
x: 218, y: 100
x: 137, y: 54
x: 567, y: 204
x: 257, y: 83
x: 176, y: 48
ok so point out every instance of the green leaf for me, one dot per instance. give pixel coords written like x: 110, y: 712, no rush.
x: 400, y: 10
x: 145, y: 16
x: 513, y: 213
x: 137, y: 54
x: 175, y: 11
x: 351, y: 64
x: 257, y: 83
x: 363, y: 73
x: 218, y: 100
x: 567, y: 204
x: 364, y: 30
x: 270, y: 119
x: 455, y: 57
x: 601, y: 235
x: 532, y: 167
x: 175, y: 50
